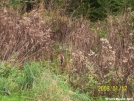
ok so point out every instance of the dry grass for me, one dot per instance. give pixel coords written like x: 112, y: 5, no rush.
x: 23, y: 37
x: 108, y: 47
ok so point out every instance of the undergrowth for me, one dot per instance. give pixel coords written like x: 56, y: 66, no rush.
x: 96, y: 54
x: 35, y: 82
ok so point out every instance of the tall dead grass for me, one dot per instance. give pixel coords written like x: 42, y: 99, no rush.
x: 23, y: 37
x: 108, y: 47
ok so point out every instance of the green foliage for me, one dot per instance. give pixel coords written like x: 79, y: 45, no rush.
x: 80, y: 97
x: 16, y: 4
x: 37, y: 82
x: 102, y: 8
x: 8, y: 74
x: 91, y: 9
x: 4, y: 69
x: 13, y: 97
x: 23, y: 6
x: 91, y: 82
x: 78, y: 8
x: 98, y: 9
x: 31, y: 72
x: 98, y: 99
x: 102, y: 33
x: 4, y: 87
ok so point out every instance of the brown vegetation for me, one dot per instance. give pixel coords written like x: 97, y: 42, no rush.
x: 104, y: 52
x: 111, y: 55
x: 23, y: 37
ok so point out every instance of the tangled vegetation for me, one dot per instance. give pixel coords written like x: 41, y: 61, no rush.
x: 97, y: 51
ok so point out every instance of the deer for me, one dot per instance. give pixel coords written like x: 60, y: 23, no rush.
x: 61, y: 58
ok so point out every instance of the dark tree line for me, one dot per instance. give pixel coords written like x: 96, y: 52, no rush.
x: 90, y: 9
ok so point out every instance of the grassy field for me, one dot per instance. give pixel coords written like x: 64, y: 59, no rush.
x: 35, y: 82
